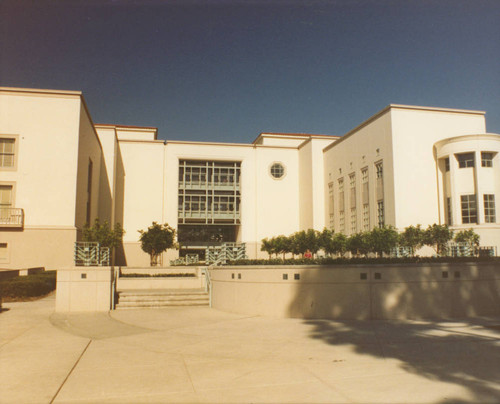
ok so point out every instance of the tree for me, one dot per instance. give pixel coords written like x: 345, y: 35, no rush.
x: 469, y: 237
x: 157, y: 239
x: 267, y: 246
x: 339, y: 244
x: 412, y: 237
x: 313, y: 241
x: 326, y: 241
x: 103, y: 234
x: 383, y: 239
x: 438, y: 236
x: 358, y: 243
x: 282, y: 245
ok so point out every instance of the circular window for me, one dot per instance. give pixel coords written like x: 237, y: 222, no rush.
x: 277, y: 170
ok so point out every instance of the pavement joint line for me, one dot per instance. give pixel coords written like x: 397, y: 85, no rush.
x: 17, y: 336
x: 330, y: 386
x: 69, y: 373
x: 189, y: 375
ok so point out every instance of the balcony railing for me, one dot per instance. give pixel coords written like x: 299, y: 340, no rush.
x: 11, y: 217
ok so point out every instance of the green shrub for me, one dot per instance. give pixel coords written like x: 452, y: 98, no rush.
x: 28, y: 286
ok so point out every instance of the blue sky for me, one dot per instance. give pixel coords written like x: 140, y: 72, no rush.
x: 228, y: 70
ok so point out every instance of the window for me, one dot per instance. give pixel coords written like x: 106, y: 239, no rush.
x: 352, y: 186
x: 365, y: 199
x: 380, y: 214
x: 7, y: 152
x: 447, y: 164
x: 366, y: 217
x: 486, y: 159
x: 465, y: 160
x: 277, y: 170
x: 4, y: 252
x: 380, y: 170
x: 341, y: 221
x: 331, y: 210
x: 489, y: 208
x: 5, y: 201
x: 353, y: 220
x: 469, y: 208
x: 448, y: 211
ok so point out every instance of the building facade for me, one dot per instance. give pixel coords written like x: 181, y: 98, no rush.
x: 404, y: 166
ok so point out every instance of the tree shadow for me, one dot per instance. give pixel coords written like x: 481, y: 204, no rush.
x: 441, y: 323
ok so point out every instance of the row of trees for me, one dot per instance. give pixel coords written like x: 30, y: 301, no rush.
x: 377, y: 241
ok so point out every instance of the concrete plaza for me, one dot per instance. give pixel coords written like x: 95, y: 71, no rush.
x: 204, y: 355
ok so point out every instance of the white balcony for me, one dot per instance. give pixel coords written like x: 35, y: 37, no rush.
x: 11, y: 217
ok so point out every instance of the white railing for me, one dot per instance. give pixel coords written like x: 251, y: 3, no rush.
x: 208, y: 285
x: 90, y: 253
x: 13, y: 217
x: 219, y: 255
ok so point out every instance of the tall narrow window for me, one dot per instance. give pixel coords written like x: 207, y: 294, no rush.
x: 380, y: 214
x: 352, y: 199
x: 380, y: 194
x: 7, y: 150
x: 465, y: 160
x: 449, y: 212
x: 447, y: 164
x: 89, y: 191
x: 489, y: 208
x: 365, y: 199
x: 486, y: 159
x: 5, y: 202
x: 469, y: 208
x: 331, y: 210
x: 341, y: 205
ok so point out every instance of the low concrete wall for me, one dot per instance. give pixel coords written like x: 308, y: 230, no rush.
x: 411, y: 291
x: 84, y: 289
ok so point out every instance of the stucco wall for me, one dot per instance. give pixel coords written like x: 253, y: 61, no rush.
x: 415, y: 175
x: 363, y: 147
x: 360, y: 292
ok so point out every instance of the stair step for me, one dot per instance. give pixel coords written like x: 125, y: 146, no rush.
x: 157, y: 298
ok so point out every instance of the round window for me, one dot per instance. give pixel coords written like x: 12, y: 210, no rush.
x: 277, y: 170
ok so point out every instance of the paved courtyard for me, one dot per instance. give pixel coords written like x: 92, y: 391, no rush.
x: 204, y: 355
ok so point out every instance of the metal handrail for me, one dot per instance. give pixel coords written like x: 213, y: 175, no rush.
x: 208, y: 285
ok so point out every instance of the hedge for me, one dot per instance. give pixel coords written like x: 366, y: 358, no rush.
x: 362, y: 261
x: 28, y: 286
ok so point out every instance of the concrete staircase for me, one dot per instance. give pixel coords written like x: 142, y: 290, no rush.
x: 158, y: 298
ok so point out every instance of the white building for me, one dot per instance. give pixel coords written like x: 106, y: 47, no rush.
x: 405, y: 165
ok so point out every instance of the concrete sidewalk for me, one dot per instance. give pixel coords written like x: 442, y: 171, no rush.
x: 203, y: 355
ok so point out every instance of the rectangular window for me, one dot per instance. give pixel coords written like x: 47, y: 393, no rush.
x: 353, y: 221
x: 447, y: 164
x: 341, y: 194
x: 380, y: 214
x: 331, y: 210
x: 7, y: 152
x: 465, y: 160
x: 469, y: 208
x: 366, y: 217
x: 341, y: 222
x: 380, y: 181
x: 5, y: 202
x: 489, y: 208
x: 486, y: 159
x: 449, y: 211
x: 4, y: 252
x: 352, y: 194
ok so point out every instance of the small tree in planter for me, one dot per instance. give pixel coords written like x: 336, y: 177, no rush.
x: 412, y: 237
x: 437, y: 236
x: 157, y: 239
x: 103, y: 234
x: 383, y: 239
x: 469, y: 237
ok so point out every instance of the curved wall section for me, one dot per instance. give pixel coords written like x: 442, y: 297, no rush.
x: 410, y: 291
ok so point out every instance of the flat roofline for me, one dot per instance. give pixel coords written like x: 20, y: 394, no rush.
x: 40, y: 91
x: 187, y: 142
x: 292, y: 135
x: 401, y: 106
x: 110, y: 125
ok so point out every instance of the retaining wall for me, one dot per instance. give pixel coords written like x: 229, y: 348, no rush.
x: 404, y: 291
